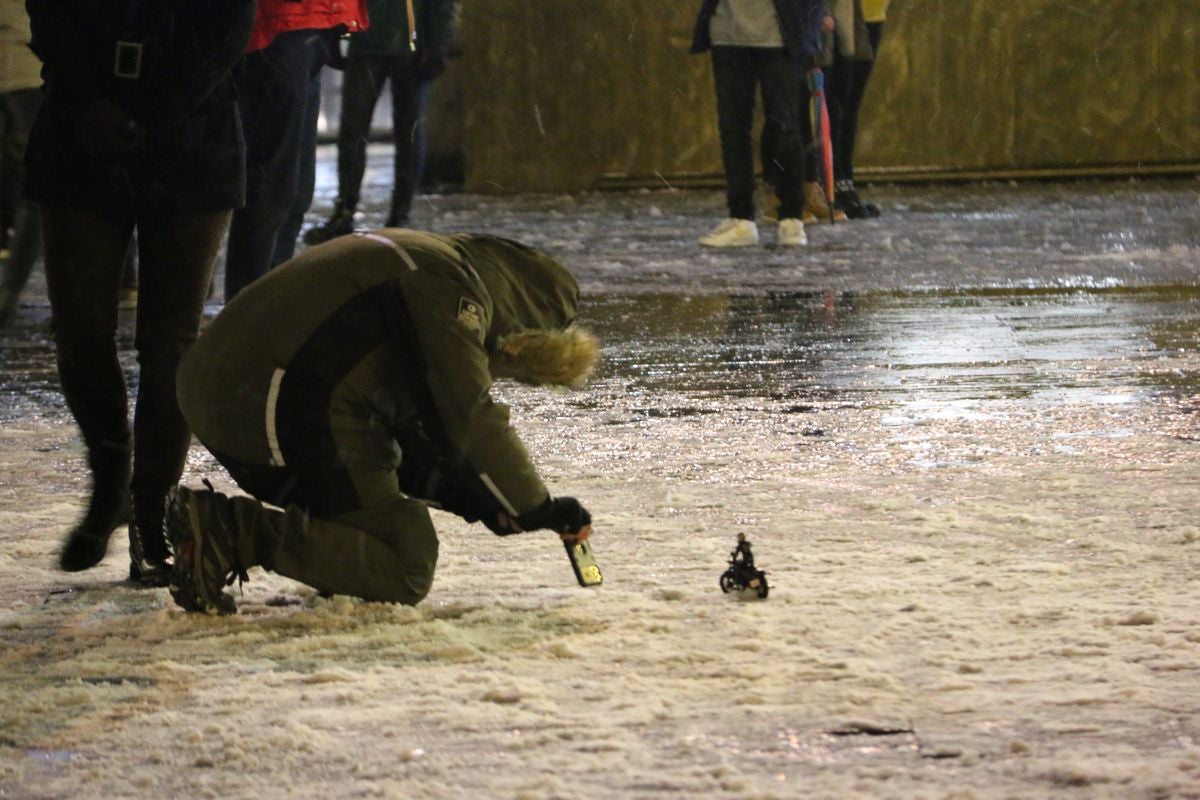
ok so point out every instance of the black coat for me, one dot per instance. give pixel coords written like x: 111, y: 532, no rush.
x: 166, y: 65
x: 799, y: 24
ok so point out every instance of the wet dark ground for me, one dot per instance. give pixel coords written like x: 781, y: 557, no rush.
x: 1034, y: 291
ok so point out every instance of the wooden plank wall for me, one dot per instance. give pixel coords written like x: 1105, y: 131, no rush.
x: 564, y: 95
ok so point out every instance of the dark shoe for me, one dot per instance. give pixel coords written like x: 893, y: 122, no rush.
x: 395, y: 220
x: 340, y: 223
x: 149, y: 557
x: 108, y: 507
x: 205, y: 547
x: 855, y: 207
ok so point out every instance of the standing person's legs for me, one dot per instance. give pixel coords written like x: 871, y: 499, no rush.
x: 846, y: 96
x: 734, y: 81
x: 177, y: 252
x: 273, y: 86
x: 362, y: 82
x: 321, y: 50
x: 407, y: 110
x: 849, y: 92
x: 360, y: 92
x: 85, y: 253
x: 781, y: 86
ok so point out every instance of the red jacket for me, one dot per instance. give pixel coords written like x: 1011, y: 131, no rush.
x: 279, y: 16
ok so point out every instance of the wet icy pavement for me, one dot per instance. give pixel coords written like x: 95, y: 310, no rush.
x: 962, y: 439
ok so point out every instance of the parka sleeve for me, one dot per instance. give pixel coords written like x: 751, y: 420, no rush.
x: 485, y: 454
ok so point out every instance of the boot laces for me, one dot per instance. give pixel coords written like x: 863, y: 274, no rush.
x: 236, y: 571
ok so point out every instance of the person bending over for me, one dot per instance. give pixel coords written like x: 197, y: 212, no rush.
x: 349, y: 389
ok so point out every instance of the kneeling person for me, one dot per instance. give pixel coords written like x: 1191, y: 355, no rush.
x: 350, y: 389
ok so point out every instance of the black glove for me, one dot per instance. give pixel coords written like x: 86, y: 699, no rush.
x: 559, y: 514
x: 431, y: 62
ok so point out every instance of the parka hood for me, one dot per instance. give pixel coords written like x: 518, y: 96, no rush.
x: 530, y: 290
x: 534, y: 301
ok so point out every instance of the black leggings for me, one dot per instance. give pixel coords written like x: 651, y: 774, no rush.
x: 85, y: 257
x: 846, y: 85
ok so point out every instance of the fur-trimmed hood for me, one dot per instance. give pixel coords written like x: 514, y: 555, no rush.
x: 534, y: 301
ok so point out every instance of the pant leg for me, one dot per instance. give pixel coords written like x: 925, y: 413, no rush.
x: 851, y: 100
x: 273, y: 86
x: 364, y: 77
x: 386, y: 550
x: 85, y: 253
x: 780, y: 83
x: 176, y: 253
x: 734, y: 82
x: 406, y: 132
x: 320, y: 52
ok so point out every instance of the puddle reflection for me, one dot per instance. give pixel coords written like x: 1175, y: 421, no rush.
x: 694, y: 355
x: 884, y: 349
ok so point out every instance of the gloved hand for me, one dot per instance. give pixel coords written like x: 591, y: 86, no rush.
x: 105, y: 129
x: 431, y: 62
x: 559, y: 514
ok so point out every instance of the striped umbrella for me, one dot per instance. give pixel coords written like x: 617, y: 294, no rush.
x: 818, y: 113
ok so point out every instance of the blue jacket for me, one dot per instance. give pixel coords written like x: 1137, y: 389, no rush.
x: 799, y: 23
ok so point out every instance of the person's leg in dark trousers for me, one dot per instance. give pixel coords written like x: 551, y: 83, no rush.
x: 363, y: 84
x: 85, y: 253
x: 780, y: 84
x: 846, y: 95
x: 176, y: 254
x: 322, y: 48
x: 406, y: 124
x: 273, y: 86
x: 734, y: 79
x: 17, y: 112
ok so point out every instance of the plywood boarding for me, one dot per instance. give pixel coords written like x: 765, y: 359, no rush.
x: 558, y: 94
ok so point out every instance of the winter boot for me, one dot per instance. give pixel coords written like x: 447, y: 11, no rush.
x: 204, y: 538
x: 109, y: 507
x: 340, y: 223
x: 149, y: 556
x: 817, y: 206
x: 856, y: 208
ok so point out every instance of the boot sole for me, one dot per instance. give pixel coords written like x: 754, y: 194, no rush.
x: 187, y: 584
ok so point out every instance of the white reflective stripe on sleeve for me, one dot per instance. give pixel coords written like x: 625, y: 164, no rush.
x: 512, y: 512
x: 375, y: 237
x: 272, y: 401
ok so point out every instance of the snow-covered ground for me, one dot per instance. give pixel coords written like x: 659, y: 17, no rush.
x: 977, y: 508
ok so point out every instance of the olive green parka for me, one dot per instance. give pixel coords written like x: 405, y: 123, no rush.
x: 371, y: 352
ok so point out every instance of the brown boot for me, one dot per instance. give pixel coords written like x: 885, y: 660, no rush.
x: 816, y: 204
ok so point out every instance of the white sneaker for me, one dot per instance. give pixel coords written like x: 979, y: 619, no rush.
x: 791, y: 233
x: 732, y: 233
